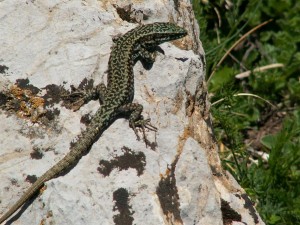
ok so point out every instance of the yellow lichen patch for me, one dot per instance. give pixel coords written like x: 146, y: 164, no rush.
x: 29, y: 105
x: 24, y: 110
x: 37, y: 102
x: 16, y: 91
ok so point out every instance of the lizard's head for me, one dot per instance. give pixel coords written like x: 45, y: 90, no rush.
x: 158, y: 33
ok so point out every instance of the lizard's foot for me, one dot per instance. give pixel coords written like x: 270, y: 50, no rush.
x: 136, y: 120
x: 146, y: 55
x: 143, y: 124
x: 76, y: 99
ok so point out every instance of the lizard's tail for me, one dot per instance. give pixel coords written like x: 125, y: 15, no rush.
x: 70, y: 160
x: 79, y: 148
x: 30, y: 192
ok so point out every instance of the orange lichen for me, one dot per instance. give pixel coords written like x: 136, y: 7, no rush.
x: 30, y: 105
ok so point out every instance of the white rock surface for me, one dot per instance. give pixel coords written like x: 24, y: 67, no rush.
x: 177, y: 181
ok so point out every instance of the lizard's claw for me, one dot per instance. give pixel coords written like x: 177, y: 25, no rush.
x: 77, y: 105
x: 142, y: 124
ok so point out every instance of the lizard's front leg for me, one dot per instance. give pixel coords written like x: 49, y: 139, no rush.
x: 147, y: 55
x: 79, y: 98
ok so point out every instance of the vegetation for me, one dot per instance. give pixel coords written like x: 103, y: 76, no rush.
x: 256, y: 114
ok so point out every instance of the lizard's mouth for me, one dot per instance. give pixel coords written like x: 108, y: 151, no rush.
x: 170, y: 37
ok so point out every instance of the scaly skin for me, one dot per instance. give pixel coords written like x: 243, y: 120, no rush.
x: 116, y: 99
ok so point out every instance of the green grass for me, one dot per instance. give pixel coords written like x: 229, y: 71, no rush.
x: 261, y: 111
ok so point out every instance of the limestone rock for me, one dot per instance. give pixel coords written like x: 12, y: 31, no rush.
x: 46, y: 47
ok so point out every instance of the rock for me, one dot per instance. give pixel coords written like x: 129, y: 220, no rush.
x: 48, y: 48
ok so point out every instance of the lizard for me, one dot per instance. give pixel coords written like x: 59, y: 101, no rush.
x: 115, y: 98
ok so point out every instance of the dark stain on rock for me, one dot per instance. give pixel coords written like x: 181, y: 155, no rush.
x: 125, y: 13
x: 176, y: 4
x: 238, y: 196
x: 129, y: 159
x: 37, y: 153
x: 25, y: 84
x: 86, y: 84
x: 3, y: 99
x: 168, y: 195
x: 131, y: 15
x: 229, y: 214
x: 54, y: 94
x: 3, y: 69
x: 86, y: 119
x: 182, y: 59
x: 31, y: 178
x: 249, y: 205
x: 121, y: 198
x: 51, y: 114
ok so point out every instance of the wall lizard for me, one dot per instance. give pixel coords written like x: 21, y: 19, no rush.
x: 116, y: 99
